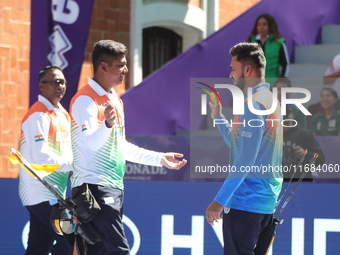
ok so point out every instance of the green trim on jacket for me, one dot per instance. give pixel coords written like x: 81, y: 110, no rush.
x: 272, y: 53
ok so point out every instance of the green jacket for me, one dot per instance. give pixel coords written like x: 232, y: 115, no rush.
x: 272, y: 49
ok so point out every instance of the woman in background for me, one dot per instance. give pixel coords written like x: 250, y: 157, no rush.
x: 266, y: 33
x: 332, y: 74
x: 327, y: 122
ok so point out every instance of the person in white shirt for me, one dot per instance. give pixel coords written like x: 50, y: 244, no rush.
x: 332, y: 74
x: 100, y: 147
x: 45, y: 139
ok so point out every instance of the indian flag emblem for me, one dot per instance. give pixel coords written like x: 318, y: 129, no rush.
x: 38, y: 138
x: 83, y: 127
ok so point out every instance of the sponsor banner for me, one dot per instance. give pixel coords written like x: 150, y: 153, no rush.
x: 167, y: 218
x: 59, y: 32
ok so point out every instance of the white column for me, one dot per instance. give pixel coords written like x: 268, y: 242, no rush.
x: 136, y: 43
x: 212, y: 11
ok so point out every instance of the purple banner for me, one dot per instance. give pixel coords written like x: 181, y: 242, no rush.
x: 59, y: 32
x: 165, y: 94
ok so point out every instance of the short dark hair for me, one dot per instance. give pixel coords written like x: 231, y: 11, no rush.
x: 106, y: 51
x: 43, y: 72
x: 250, y: 54
x: 284, y: 80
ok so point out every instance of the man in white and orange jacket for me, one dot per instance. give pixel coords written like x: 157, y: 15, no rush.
x: 45, y: 139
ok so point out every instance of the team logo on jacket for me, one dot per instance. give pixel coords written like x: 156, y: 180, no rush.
x: 38, y: 138
x: 118, y: 132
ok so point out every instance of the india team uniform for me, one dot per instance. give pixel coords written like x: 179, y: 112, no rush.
x: 45, y: 139
x: 251, y: 192
x: 99, y: 160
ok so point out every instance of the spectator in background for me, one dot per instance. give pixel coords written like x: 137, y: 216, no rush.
x: 294, y: 112
x: 265, y: 32
x: 331, y: 77
x: 327, y: 122
x: 295, y: 141
x: 332, y: 74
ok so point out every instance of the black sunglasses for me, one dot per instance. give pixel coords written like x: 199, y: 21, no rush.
x: 56, y: 83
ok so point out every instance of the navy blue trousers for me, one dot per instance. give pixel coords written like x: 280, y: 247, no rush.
x: 108, y: 222
x: 241, y: 230
x: 42, y: 236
